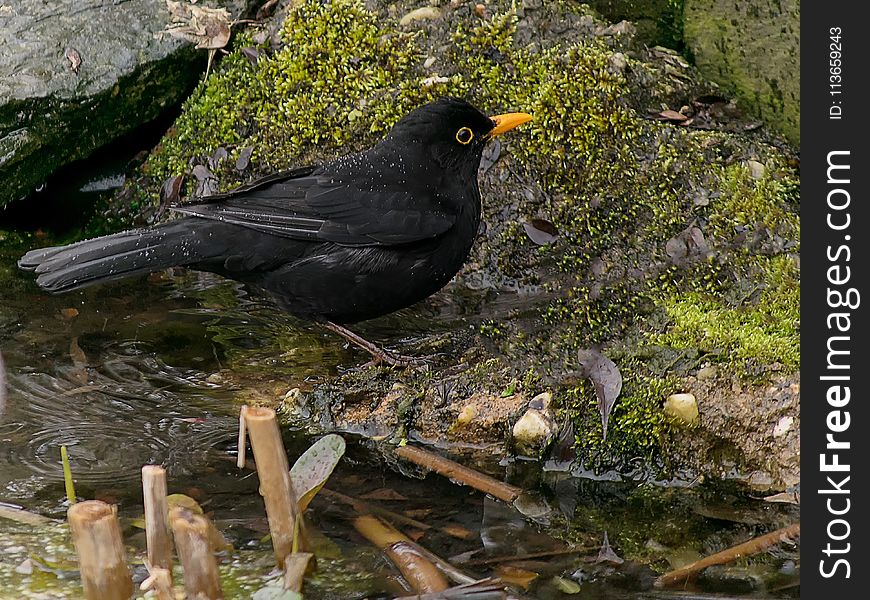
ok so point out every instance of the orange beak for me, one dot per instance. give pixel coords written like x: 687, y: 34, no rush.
x: 508, y: 121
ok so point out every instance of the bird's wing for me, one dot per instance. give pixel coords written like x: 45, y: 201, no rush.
x: 301, y: 205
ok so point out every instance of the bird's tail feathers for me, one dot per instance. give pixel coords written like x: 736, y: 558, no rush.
x: 116, y: 256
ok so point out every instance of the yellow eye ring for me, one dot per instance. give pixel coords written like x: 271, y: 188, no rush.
x: 464, y: 136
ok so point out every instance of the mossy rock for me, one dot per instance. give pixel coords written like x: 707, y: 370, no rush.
x: 677, y: 247
x: 752, y: 49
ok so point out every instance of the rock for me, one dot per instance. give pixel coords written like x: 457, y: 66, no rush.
x: 533, y: 431
x: 756, y: 169
x: 751, y: 48
x: 76, y: 74
x: 783, y: 426
x: 425, y: 13
x: 683, y: 407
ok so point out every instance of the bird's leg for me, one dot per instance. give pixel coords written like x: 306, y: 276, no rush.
x: 378, y: 354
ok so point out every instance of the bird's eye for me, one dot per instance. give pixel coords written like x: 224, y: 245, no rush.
x: 464, y: 136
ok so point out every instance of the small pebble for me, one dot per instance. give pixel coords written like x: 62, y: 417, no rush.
x: 683, y: 407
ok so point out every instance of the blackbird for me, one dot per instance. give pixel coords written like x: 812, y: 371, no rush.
x: 344, y: 241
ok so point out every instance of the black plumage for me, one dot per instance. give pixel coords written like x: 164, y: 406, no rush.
x: 348, y: 240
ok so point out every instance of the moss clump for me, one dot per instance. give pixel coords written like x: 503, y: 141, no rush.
x: 336, y: 61
x: 764, y: 331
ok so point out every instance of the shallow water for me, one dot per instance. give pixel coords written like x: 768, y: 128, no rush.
x: 128, y: 378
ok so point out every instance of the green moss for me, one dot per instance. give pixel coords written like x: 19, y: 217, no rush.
x: 766, y: 330
x: 637, y: 428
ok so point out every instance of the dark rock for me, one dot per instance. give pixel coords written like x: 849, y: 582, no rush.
x: 76, y: 74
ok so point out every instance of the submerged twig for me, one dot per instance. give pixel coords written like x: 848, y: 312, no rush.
x: 459, y: 473
x: 543, y: 554
x: 753, y: 546
x: 362, y: 507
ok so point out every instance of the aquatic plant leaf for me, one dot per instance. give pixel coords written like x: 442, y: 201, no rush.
x: 605, y: 378
x: 540, y: 231
x: 313, y: 468
x: 274, y: 590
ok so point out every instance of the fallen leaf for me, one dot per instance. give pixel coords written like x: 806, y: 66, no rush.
x: 516, y: 576
x: 252, y: 54
x: 541, y: 231
x: 670, y: 115
x: 74, y: 58
x: 244, y: 158
x: 208, y: 28
x: 206, y: 181
x: 265, y: 11
x: 69, y: 313
x: 605, y: 378
x: 686, y: 246
x: 217, y: 158
x: 606, y: 553
x: 490, y: 155
x: 458, y: 532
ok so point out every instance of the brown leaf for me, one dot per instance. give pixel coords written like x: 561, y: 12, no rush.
x: 458, y: 532
x: 266, y: 10
x: 541, y: 231
x: 515, y: 576
x: 670, y: 115
x: 605, y: 378
x: 74, y: 58
x: 606, y: 553
x: 68, y: 314
x: 170, y: 192
x: 687, y: 245
x: 252, y: 54
x: 208, y: 28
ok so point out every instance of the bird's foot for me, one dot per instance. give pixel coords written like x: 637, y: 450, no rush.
x: 400, y: 361
x: 380, y: 356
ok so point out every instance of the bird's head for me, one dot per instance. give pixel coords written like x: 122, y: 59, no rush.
x: 452, y: 132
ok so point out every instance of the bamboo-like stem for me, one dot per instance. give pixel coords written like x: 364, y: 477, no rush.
x: 456, y: 472
x: 156, y: 517
x: 96, y: 534
x: 275, y: 484
x: 243, y: 435
x: 191, y: 533
x: 423, y: 576
x: 753, y: 546
x: 295, y: 566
